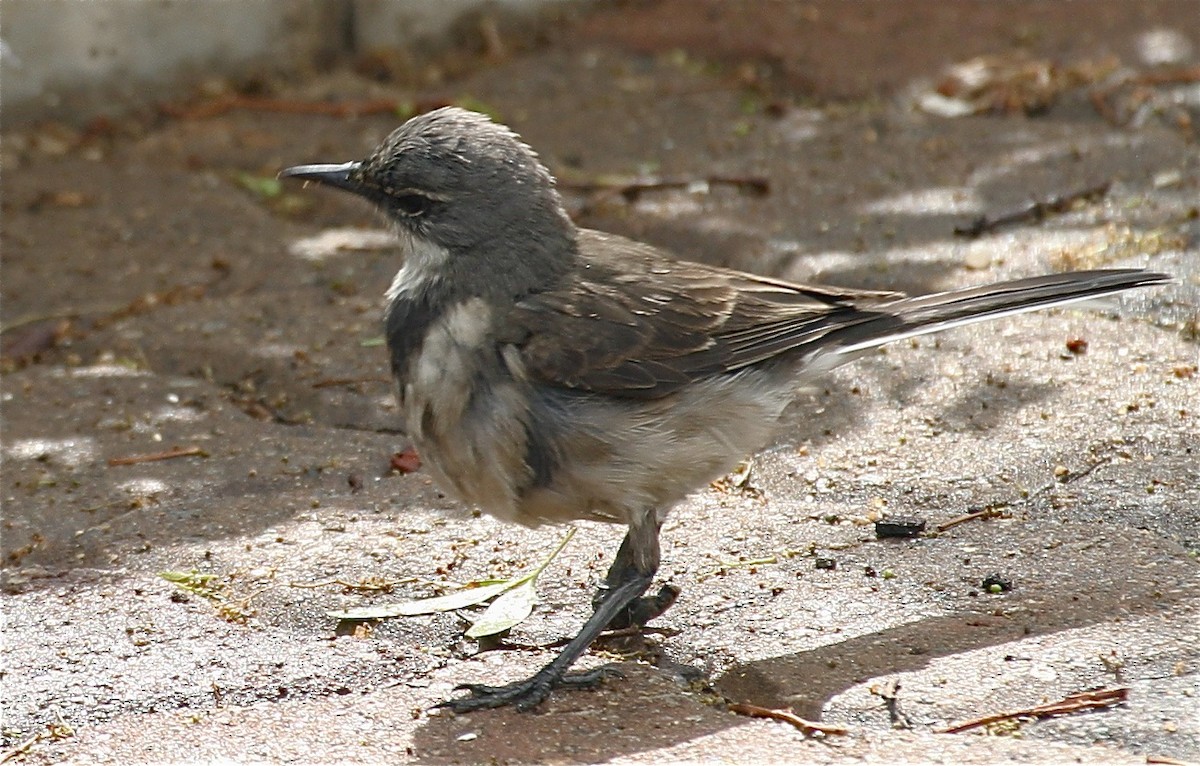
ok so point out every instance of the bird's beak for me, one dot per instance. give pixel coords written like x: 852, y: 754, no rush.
x: 331, y: 175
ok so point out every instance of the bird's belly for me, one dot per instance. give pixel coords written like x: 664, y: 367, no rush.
x: 618, y: 458
x: 475, y: 455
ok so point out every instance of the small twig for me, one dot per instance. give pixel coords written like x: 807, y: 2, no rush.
x: 1070, y: 477
x: 1034, y: 211
x: 69, y: 313
x: 22, y: 747
x: 998, y: 509
x: 1179, y: 76
x: 787, y: 716
x: 114, y: 311
x: 228, y: 103
x: 990, y: 512
x: 58, y: 730
x: 1091, y: 700
x: 743, y: 563
x: 1100, y: 96
x: 367, y: 585
x: 152, y: 457
x: 630, y: 188
x: 725, y: 566
x: 1165, y: 760
x: 331, y: 382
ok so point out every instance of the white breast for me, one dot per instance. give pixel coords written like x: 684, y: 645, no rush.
x: 423, y: 261
x: 465, y: 413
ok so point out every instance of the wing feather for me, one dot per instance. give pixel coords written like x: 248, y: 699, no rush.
x: 634, y: 322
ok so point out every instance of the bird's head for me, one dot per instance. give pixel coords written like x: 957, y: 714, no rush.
x: 456, y: 182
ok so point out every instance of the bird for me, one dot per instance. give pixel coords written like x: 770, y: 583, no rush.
x: 548, y: 373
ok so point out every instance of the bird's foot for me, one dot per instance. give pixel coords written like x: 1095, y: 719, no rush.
x: 644, y: 609
x: 525, y: 695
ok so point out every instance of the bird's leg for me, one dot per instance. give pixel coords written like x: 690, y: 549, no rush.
x: 638, y: 559
x: 642, y: 609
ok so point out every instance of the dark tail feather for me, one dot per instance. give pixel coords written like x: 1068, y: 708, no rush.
x: 909, y: 317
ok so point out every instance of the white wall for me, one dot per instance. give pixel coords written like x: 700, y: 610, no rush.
x: 74, y: 54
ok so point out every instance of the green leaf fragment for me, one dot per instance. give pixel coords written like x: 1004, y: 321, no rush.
x: 448, y: 603
x: 511, y: 608
x: 405, y: 109
x: 476, y: 105
x: 199, y: 583
x: 264, y: 186
x: 190, y: 578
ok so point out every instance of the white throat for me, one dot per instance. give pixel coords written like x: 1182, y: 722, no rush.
x: 423, y: 264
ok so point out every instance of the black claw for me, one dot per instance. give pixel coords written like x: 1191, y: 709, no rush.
x: 477, y: 688
x: 589, y: 679
x: 523, y: 695
x: 532, y: 700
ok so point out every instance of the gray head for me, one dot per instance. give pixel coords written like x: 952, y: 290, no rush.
x: 458, y: 184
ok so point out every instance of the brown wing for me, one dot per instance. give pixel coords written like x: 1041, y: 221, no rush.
x: 636, y: 323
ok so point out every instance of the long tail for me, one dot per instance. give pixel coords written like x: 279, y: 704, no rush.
x: 922, y: 314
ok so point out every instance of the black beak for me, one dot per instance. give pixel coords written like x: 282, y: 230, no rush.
x: 331, y: 175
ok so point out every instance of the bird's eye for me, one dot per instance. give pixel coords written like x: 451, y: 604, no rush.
x: 412, y: 204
